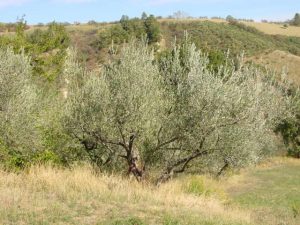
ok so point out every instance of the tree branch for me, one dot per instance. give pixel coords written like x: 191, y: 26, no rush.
x: 166, y: 143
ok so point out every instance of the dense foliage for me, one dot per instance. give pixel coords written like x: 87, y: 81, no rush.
x: 10, y: 27
x: 47, y: 48
x: 214, y: 39
x: 128, y: 28
x: 289, y: 128
x: 174, y: 115
x: 296, y: 20
x: 18, y: 101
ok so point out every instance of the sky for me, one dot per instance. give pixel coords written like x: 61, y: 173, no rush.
x: 44, y: 11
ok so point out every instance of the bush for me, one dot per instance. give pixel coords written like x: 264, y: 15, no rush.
x: 18, y: 108
x: 129, y: 221
x: 296, y: 20
x: 290, y: 131
x: 46, y: 48
x: 128, y: 29
x: 202, y: 186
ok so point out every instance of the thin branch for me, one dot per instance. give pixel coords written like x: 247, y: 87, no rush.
x: 120, y: 131
x: 188, y: 160
x: 166, y: 143
x: 158, y: 134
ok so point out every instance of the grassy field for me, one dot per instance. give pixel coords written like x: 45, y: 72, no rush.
x: 269, y: 194
x: 54, y: 196
x: 275, y: 29
x: 280, y: 61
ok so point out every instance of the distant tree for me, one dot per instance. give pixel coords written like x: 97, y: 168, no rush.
x: 65, y: 24
x: 125, y: 22
x: 230, y: 18
x: 216, y: 17
x: 92, y: 22
x: 296, y: 20
x: 180, y: 15
x: 144, y: 16
x: 52, y: 42
x: 152, y: 29
x: 21, y: 27
x: 115, y: 34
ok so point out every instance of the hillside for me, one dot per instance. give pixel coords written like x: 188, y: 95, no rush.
x: 260, y: 42
x: 235, y: 37
x: 280, y: 61
x: 213, y: 37
x: 267, y: 28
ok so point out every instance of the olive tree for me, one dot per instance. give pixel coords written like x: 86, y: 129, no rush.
x: 17, y: 102
x: 219, y: 119
x: 171, y: 116
x: 115, y: 112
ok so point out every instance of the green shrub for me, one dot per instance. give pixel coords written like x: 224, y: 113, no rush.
x: 196, y: 186
x: 202, y: 186
x: 47, y: 48
x: 128, y: 29
x: 169, y: 220
x: 290, y: 131
x: 296, y: 209
x: 47, y: 157
x: 125, y: 221
x: 15, y: 162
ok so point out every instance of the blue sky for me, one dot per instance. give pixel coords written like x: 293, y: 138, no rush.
x: 100, y: 10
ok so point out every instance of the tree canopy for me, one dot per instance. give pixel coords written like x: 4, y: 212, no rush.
x: 296, y: 20
x: 172, y: 116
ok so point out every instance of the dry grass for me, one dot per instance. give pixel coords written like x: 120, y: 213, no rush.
x: 270, y: 28
x: 44, y: 195
x: 280, y: 61
x: 192, y: 20
x: 47, y: 195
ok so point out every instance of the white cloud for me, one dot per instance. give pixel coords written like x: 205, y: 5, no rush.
x: 4, y: 3
x: 74, y: 1
x: 161, y: 2
x: 164, y: 2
